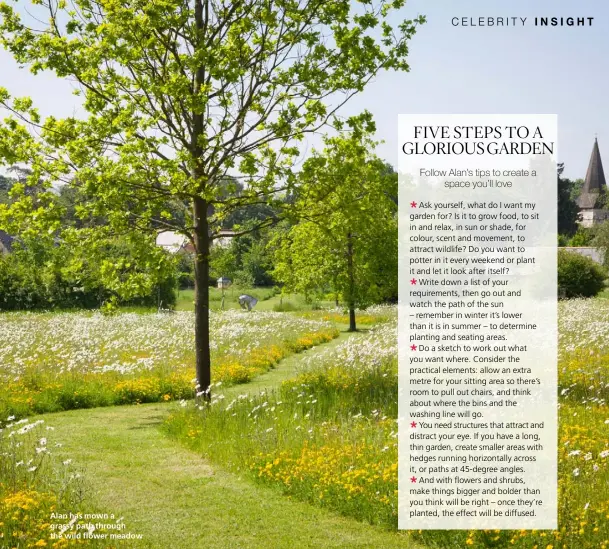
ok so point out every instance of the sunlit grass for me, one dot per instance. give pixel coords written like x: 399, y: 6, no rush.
x: 329, y: 436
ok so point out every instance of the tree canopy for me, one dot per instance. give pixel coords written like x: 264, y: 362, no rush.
x: 346, y: 239
x: 568, y: 210
x: 178, y: 95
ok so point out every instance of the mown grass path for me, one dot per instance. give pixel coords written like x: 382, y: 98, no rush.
x: 174, y: 499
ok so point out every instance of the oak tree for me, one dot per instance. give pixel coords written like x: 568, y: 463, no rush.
x: 179, y: 94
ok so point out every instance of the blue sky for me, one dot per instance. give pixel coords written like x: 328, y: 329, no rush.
x: 464, y: 70
x: 504, y: 70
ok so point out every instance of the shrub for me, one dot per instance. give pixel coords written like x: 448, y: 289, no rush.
x: 186, y: 271
x: 583, y: 237
x: 49, y: 274
x: 579, y: 276
x: 600, y: 240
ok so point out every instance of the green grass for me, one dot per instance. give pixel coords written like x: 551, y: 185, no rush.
x: 315, y: 442
x: 328, y: 436
x: 176, y: 499
x: 186, y: 298
x: 269, y: 299
x: 603, y: 294
x: 323, y: 436
x: 165, y: 492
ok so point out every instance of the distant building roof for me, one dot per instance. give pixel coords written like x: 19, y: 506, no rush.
x: 171, y: 241
x: 174, y: 242
x: 594, y: 184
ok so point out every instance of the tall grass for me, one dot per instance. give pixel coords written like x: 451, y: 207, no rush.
x: 329, y: 436
x: 315, y: 437
x: 36, y: 489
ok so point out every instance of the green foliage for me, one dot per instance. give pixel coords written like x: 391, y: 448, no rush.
x: 250, y: 216
x: 44, y: 274
x: 568, y: 210
x: 186, y: 270
x: 602, y: 202
x: 223, y: 262
x: 346, y: 239
x: 5, y: 183
x: 600, y: 240
x: 176, y: 95
x: 110, y: 307
x: 576, y: 188
x: 5, y: 186
x: 256, y: 264
x: 579, y: 276
x: 245, y: 260
x: 583, y: 237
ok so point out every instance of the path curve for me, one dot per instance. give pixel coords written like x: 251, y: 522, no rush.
x: 175, y: 499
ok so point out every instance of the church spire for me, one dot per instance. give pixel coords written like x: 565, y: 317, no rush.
x: 594, y: 184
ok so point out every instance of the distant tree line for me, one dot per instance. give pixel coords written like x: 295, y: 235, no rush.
x: 56, y: 270
x: 337, y: 241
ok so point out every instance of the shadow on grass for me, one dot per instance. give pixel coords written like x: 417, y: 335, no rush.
x: 358, y: 331
x: 150, y: 421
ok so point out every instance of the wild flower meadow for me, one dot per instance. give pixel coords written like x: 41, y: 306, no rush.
x: 34, y: 485
x: 329, y: 436
x: 52, y: 362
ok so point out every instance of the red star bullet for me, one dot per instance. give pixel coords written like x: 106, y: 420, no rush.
x: 413, y: 281
x: 413, y: 347
x: 413, y: 204
x: 413, y: 479
x: 413, y: 424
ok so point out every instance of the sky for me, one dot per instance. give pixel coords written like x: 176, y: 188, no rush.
x: 455, y: 69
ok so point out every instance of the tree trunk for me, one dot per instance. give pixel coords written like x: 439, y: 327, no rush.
x: 335, y: 284
x: 202, y: 354
x: 352, y: 326
x: 351, y: 274
x: 201, y: 234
